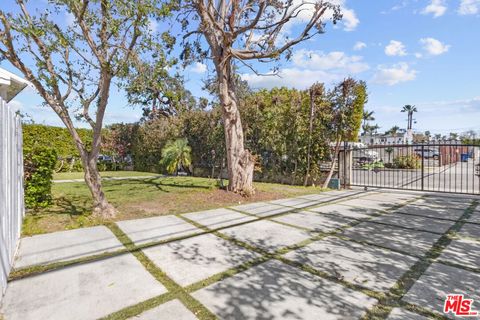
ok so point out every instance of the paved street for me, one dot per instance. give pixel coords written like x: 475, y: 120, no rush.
x: 459, y: 177
x: 332, y: 255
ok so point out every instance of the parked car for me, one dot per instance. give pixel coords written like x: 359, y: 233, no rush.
x: 427, y: 153
x: 365, y: 156
x: 104, y: 158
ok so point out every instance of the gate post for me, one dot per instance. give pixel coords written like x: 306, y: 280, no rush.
x: 423, y: 167
x: 345, y: 168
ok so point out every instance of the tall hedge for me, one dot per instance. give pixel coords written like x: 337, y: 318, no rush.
x: 57, y: 138
x: 39, y: 164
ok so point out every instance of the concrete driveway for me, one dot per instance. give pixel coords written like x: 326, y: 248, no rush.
x: 332, y: 255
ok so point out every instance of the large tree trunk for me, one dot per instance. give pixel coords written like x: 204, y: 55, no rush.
x: 240, y: 162
x: 101, y: 207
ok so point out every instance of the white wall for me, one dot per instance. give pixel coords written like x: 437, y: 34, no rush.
x: 11, y: 189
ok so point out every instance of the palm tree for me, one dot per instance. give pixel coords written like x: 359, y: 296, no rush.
x: 393, y: 131
x: 366, y: 117
x: 176, y: 154
x: 428, y: 134
x: 409, y: 109
x: 389, y: 151
x: 453, y: 136
x: 369, y: 129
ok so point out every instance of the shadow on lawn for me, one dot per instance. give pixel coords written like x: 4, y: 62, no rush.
x: 74, y: 206
x: 160, y: 184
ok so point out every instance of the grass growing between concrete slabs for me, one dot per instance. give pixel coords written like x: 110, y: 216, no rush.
x: 278, y: 254
x: 183, y: 294
x: 145, y: 197
x: 380, y: 311
x: 17, y: 274
x: 393, y: 298
x: 174, y: 290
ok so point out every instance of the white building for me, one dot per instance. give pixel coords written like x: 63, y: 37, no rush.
x: 386, y: 139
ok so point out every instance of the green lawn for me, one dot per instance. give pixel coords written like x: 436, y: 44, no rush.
x: 105, y: 174
x: 146, y: 197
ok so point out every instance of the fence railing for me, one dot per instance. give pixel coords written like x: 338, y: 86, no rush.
x: 11, y: 189
x: 451, y: 167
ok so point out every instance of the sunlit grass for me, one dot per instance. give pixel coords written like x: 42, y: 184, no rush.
x: 145, y: 197
x: 104, y: 174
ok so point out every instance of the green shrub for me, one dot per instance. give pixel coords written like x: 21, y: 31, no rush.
x: 39, y: 165
x: 406, y: 162
x: 373, y: 165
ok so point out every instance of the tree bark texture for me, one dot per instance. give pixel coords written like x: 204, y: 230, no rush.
x: 240, y: 162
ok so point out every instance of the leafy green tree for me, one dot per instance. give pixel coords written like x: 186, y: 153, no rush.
x: 157, y: 92
x: 149, y: 140
x: 367, y: 116
x: 175, y: 155
x: 348, y: 99
x: 204, y: 131
x: 73, y: 67
x: 453, y: 136
x: 371, y: 129
x: 227, y: 28
x: 393, y: 131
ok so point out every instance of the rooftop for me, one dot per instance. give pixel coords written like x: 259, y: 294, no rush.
x: 11, y: 84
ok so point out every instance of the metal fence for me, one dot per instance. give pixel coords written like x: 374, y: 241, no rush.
x: 450, y: 167
x: 11, y: 189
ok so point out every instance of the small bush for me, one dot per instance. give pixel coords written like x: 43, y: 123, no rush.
x: 39, y: 164
x: 406, y: 162
x: 373, y: 165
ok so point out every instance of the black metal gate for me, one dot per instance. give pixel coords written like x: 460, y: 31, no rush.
x: 440, y: 167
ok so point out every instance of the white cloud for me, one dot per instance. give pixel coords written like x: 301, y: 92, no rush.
x: 198, y: 67
x: 399, y: 6
x: 468, y: 7
x: 359, y: 46
x: 436, y: 7
x: 349, y: 21
x: 463, y: 105
x: 311, y: 66
x: 396, y: 7
x: 433, y: 46
x: 418, y: 55
x: 395, y: 48
x: 291, y: 77
x: 436, y: 116
x: 395, y: 74
x: 317, y: 60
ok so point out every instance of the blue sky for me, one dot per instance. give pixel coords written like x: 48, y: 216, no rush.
x: 408, y: 51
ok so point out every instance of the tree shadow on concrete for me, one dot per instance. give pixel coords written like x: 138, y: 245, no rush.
x: 273, y: 290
